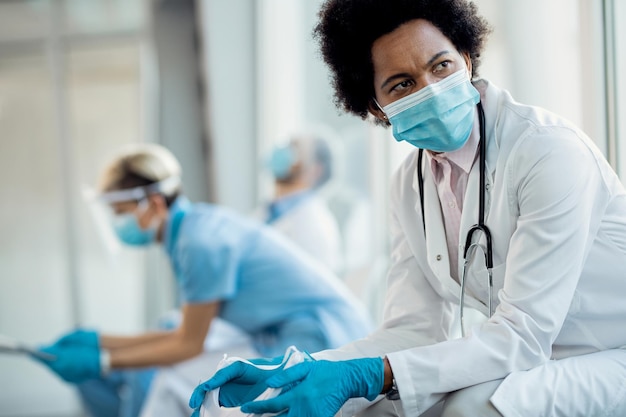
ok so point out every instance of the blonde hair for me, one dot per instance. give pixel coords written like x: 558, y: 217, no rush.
x: 137, y: 165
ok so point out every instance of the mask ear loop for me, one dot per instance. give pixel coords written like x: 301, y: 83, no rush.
x: 143, y: 206
x: 380, y: 108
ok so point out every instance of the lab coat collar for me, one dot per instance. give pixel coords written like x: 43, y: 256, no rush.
x: 490, y: 96
x: 279, y: 207
x: 464, y: 157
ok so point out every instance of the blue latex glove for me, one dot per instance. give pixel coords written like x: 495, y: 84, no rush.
x: 80, y: 337
x: 320, y: 388
x: 239, y: 383
x: 73, y: 363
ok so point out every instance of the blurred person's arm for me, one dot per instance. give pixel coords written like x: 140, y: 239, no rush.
x: 163, y: 348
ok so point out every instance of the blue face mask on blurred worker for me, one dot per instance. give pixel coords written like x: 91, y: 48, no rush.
x: 126, y: 223
x: 280, y: 161
x: 438, y: 117
x: 128, y: 230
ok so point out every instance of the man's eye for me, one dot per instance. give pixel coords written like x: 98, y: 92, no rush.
x: 444, y: 66
x: 402, y: 85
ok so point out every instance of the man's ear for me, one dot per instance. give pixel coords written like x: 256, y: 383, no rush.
x: 376, y: 111
x: 468, y: 63
x: 158, y: 204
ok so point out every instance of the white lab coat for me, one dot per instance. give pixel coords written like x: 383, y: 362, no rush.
x: 313, y: 227
x: 557, y: 214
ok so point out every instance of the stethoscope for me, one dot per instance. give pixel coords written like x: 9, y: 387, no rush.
x: 470, y: 246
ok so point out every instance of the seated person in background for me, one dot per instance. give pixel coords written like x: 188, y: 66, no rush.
x: 299, y: 169
x: 227, y: 267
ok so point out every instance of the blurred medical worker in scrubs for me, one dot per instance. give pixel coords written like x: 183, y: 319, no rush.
x: 300, y: 169
x: 227, y: 267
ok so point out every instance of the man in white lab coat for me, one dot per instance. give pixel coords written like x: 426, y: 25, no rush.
x: 553, y: 209
x: 300, y: 168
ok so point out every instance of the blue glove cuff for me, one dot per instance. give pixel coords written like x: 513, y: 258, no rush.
x: 105, y: 362
x: 372, y: 372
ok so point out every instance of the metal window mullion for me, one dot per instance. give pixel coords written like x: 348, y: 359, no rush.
x: 150, y: 98
x: 610, y: 86
x: 57, y: 61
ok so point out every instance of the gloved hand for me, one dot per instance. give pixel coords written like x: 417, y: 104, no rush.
x: 239, y: 383
x: 80, y: 337
x: 320, y: 388
x: 72, y: 363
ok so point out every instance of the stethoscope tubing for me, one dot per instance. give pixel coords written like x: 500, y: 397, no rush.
x: 480, y: 226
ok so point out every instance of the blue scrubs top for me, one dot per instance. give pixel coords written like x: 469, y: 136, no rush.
x: 266, y: 286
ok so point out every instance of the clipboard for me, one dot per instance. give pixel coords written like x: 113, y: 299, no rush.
x: 14, y: 346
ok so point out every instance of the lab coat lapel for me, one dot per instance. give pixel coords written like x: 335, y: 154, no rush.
x: 436, y: 246
x: 469, y: 216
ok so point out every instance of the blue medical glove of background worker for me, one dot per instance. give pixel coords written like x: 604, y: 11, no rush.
x: 76, y: 356
x: 320, y: 387
x: 73, y: 363
x: 80, y: 337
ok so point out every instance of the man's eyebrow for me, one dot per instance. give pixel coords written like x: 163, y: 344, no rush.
x: 436, y: 57
x: 405, y: 75
x: 392, y: 78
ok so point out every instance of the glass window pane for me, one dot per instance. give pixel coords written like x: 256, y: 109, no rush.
x: 104, y: 97
x: 25, y: 19
x: 529, y: 62
x: 620, y: 78
x: 34, y: 286
x: 99, y: 16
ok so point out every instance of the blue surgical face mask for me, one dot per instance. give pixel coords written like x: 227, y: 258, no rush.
x: 438, y: 117
x: 280, y: 161
x: 127, y: 229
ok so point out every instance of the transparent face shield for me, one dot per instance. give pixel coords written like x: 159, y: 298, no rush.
x: 104, y: 215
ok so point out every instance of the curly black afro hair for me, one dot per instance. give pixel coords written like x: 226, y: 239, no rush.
x: 347, y: 29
